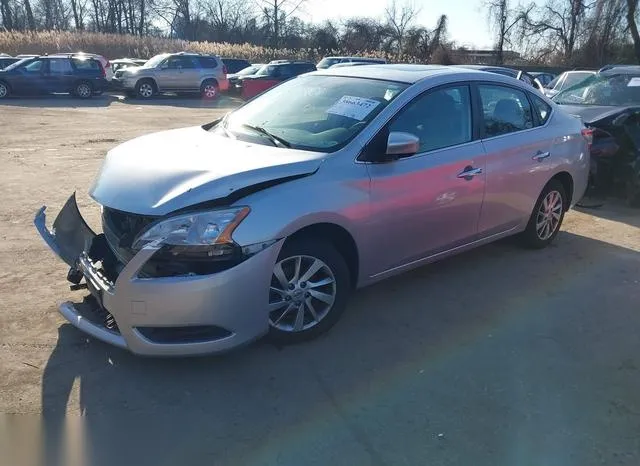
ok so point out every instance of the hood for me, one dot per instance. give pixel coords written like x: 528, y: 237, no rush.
x: 163, y: 172
x: 592, y: 113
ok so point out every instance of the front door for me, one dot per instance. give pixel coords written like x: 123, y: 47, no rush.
x: 31, y: 79
x: 429, y: 202
x: 519, y: 156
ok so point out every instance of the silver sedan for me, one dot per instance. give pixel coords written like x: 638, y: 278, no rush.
x: 263, y: 222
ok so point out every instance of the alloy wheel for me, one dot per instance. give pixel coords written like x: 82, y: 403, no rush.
x: 3, y: 90
x: 210, y: 91
x: 83, y: 90
x: 303, y: 290
x: 549, y: 215
x: 146, y: 90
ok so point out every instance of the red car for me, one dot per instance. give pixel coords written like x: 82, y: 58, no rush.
x: 272, y: 74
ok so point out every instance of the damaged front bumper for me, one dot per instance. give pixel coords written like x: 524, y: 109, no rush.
x: 182, y: 315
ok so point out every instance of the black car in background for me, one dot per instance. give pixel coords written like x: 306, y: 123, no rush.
x: 78, y: 75
x: 235, y: 64
x: 271, y: 75
x: 609, y: 105
x: 6, y: 61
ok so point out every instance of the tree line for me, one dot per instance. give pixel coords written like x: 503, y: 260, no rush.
x: 556, y: 32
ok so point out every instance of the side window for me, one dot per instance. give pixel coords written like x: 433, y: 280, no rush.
x: 542, y: 109
x: 34, y: 67
x: 60, y: 66
x: 506, y: 110
x: 207, y: 62
x: 85, y: 64
x: 173, y: 63
x: 440, y: 118
x: 187, y: 63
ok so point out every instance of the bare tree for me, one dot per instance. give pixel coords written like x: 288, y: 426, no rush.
x: 399, y: 20
x: 276, y: 12
x: 558, y: 23
x: 7, y: 14
x: 632, y: 7
x: 502, y: 21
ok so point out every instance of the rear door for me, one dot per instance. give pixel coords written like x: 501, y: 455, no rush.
x: 519, y: 159
x: 59, y: 75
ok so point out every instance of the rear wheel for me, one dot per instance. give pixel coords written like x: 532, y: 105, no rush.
x: 145, y: 89
x: 546, y: 218
x: 4, y: 90
x: 209, y: 90
x: 83, y: 90
x: 310, y: 285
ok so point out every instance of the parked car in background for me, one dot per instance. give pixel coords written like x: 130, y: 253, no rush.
x: 264, y: 221
x: 106, y: 65
x: 543, y: 77
x: 272, y: 74
x: 516, y: 74
x: 122, y: 63
x: 344, y: 65
x: 174, y: 72
x: 235, y: 65
x: 7, y: 60
x: 609, y: 104
x: 26, y: 55
x: 80, y: 75
x: 566, y: 80
x: 235, y: 84
x: 327, y: 62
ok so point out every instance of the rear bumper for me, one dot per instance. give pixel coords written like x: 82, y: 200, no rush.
x: 233, y: 301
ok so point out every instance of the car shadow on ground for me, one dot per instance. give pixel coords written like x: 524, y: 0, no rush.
x: 461, y: 359
x: 610, y: 209
x: 107, y: 99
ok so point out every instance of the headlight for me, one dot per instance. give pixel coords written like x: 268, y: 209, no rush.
x: 209, y: 230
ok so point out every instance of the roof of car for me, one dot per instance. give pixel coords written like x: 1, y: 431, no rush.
x: 619, y: 69
x: 400, y: 73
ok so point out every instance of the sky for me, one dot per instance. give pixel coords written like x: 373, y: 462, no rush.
x: 468, y: 24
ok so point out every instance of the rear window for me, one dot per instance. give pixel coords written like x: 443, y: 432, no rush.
x: 86, y: 64
x: 208, y: 62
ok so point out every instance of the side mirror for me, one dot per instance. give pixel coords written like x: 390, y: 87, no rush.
x: 401, y: 144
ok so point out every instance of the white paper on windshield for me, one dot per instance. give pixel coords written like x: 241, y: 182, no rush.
x: 634, y: 82
x: 353, y: 107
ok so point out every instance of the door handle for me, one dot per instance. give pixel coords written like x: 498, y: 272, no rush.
x: 541, y: 156
x: 469, y: 172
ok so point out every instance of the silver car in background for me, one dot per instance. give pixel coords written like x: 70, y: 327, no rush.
x: 263, y: 222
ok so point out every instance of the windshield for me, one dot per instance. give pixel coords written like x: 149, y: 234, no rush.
x: 249, y: 70
x: 17, y: 64
x: 328, y: 62
x: 155, y: 61
x: 318, y: 113
x: 603, y: 90
x: 575, y: 78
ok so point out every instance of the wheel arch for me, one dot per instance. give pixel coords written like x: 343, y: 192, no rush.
x: 566, y: 180
x: 209, y: 79
x: 339, y: 237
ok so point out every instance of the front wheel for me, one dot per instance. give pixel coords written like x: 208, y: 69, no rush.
x: 4, y: 90
x: 145, y: 89
x: 546, y: 218
x: 310, y: 285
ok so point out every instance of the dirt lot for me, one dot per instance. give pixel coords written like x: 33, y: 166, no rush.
x: 497, y: 357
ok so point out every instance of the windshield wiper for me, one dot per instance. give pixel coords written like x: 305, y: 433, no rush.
x: 275, y: 140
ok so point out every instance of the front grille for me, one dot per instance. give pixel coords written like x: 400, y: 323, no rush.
x: 121, y: 228
x: 91, y: 310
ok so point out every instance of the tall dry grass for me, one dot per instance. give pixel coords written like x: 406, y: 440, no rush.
x: 118, y: 46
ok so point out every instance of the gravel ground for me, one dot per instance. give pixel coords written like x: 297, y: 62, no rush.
x: 500, y: 356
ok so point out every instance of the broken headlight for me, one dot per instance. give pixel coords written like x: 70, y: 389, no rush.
x: 204, y: 233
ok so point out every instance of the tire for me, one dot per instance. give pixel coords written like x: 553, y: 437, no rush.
x: 209, y: 90
x: 145, y: 89
x: 289, y: 325
x: 83, y: 90
x: 549, y: 210
x: 5, y: 91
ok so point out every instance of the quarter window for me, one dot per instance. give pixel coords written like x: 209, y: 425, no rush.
x: 440, y: 118
x: 506, y: 110
x: 542, y: 109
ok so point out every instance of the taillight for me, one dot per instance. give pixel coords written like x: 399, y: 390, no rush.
x: 104, y: 72
x: 224, y: 69
x: 587, y: 133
